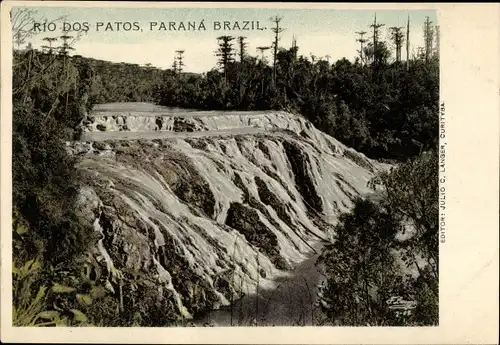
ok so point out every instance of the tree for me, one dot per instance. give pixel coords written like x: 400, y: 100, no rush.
x: 65, y: 46
x: 361, y: 41
x: 174, y: 66
x: 378, y: 56
x: 376, y: 26
x: 436, y: 52
x: 408, y: 44
x: 277, y: 30
x: 384, y: 111
x: 179, y: 63
x: 262, y: 49
x: 22, y: 20
x: 411, y: 192
x: 49, y: 40
x: 428, y: 39
x: 363, y: 273
x: 398, y: 38
x: 49, y: 98
x: 225, y: 52
x: 242, y: 45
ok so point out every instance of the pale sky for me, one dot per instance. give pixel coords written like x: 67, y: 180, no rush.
x: 318, y: 31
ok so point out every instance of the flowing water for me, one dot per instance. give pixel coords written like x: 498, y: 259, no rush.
x: 212, y: 206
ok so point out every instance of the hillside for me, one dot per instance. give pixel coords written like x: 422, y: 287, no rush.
x: 172, y: 212
x: 206, y: 219
x: 120, y: 82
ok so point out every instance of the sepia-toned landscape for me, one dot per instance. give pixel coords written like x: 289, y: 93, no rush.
x: 277, y: 187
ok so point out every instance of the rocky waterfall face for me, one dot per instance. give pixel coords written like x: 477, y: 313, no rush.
x: 199, y: 208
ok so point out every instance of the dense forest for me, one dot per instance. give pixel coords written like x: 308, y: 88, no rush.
x: 383, y: 264
x: 383, y: 107
x: 378, y: 105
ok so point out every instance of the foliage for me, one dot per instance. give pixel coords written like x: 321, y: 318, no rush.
x: 387, y: 250
x: 121, y: 82
x: 52, y: 93
x: 411, y: 192
x: 382, y: 109
x: 225, y: 52
x: 30, y: 298
x: 80, y: 300
x: 49, y: 100
x: 362, y: 271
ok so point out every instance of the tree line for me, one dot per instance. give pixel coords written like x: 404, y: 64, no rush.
x: 52, y: 92
x: 379, y: 104
x: 383, y: 107
x: 382, y: 266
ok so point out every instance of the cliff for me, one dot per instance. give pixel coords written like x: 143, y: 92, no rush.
x: 196, y: 209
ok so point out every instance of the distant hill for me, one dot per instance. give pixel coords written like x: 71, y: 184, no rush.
x: 125, y: 82
x: 122, y: 82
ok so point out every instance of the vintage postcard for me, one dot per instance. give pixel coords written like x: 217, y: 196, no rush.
x: 249, y: 172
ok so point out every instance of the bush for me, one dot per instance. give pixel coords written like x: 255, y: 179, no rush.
x: 369, y: 264
x: 384, y: 112
x: 49, y: 100
x: 50, y: 97
x: 362, y: 272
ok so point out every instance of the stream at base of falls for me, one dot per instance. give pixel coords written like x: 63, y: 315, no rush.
x: 291, y: 303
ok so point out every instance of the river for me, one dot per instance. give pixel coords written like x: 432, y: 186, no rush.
x: 292, y: 303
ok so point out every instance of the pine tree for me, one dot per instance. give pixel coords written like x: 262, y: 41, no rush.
x: 277, y: 30
x: 398, y: 38
x: 49, y: 47
x: 225, y: 53
x: 428, y: 38
x: 376, y: 26
x: 262, y: 50
x: 242, y: 45
x: 65, y: 47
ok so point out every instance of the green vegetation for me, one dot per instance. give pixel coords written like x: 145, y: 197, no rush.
x: 121, y: 82
x: 381, y: 108
x: 53, y: 284
x: 50, y: 97
x: 388, y: 250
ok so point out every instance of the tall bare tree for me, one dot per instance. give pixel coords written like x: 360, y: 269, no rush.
x: 376, y: 26
x: 277, y: 30
x: 408, y: 44
x: 428, y: 38
x: 179, y: 61
x: 361, y: 41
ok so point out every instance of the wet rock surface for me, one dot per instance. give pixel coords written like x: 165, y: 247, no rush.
x: 299, y: 164
x: 246, y: 220
x: 187, y: 225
